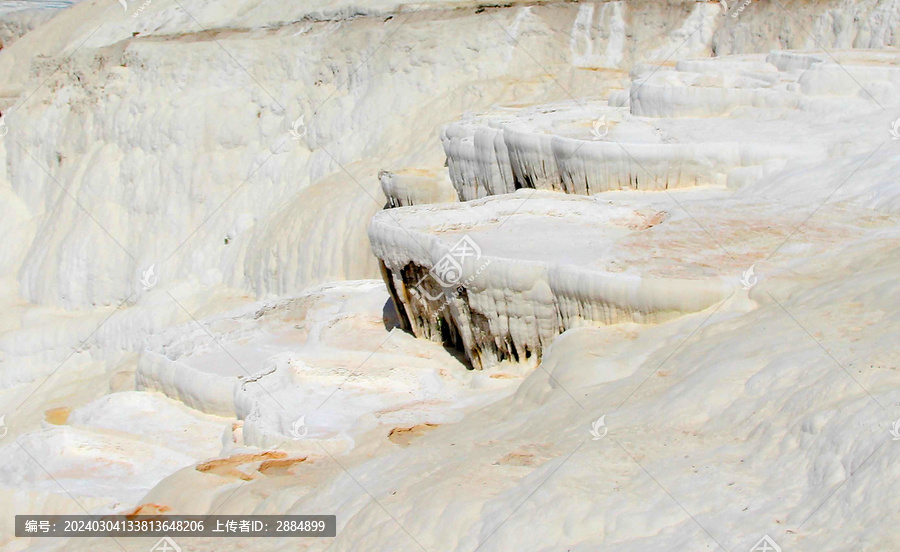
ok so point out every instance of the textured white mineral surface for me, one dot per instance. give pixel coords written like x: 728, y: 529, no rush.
x: 557, y: 276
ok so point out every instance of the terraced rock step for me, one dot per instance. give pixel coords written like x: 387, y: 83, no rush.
x: 416, y: 187
x: 707, y: 122
x: 499, y: 278
x: 553, y: 148
x: 780, y: 82
x: 277, y: 367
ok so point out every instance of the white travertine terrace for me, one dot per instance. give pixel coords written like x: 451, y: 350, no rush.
x: 501, y: 157
x: 416, y: 187
x: 779, y: 82
x: 672, y: 128
x: 304, y: 339
x: 686, y: 127
x: 547, y: 264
